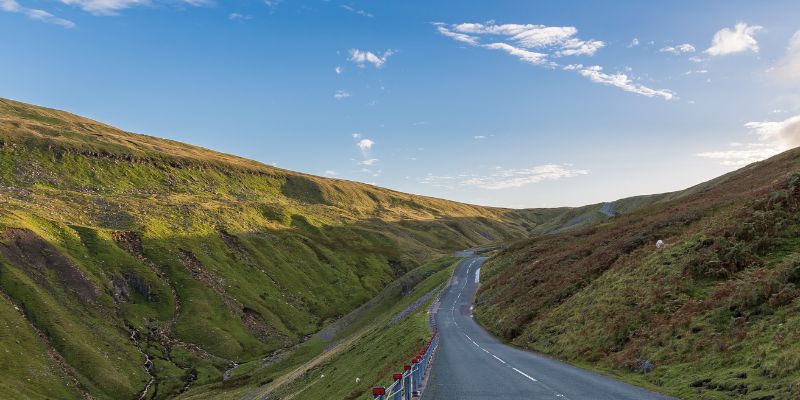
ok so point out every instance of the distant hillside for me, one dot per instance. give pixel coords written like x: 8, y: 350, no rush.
x: 715, y: 314
x: 135, y: 266
x: 130, y: 262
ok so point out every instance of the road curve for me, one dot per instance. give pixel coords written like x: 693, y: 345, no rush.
x: 472, y: 364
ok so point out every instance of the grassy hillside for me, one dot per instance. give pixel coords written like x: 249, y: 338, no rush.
x: 713, y: 315
x: 132, y: 263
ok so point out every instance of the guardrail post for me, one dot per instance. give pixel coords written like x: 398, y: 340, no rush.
x: 406, y: 382
x: 415, y: 377
x: 378, y: 392
x: 398, y: 387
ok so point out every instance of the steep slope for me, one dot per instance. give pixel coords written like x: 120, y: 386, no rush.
x: 713, y: 315
x: 135, y: 266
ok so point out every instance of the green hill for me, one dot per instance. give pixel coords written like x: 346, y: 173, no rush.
x: 715, y: 314
x: 130, y: 262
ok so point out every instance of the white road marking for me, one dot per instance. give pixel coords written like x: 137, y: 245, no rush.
x: 452, y: 315
x: 527, y: 376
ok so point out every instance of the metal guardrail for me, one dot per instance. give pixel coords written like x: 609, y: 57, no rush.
x: 407, y: 385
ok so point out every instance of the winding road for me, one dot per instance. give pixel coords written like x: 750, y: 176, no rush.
x: 472, y: 364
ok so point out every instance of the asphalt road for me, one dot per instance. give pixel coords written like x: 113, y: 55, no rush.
x: 473, y: 364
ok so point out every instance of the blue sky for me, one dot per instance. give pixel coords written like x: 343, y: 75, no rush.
x: 506, y: 103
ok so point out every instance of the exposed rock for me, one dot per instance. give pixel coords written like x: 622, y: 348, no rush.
x: 36, y: 257
x: 644, y: 366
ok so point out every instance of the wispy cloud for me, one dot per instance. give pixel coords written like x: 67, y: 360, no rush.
x: 788, y: 68
x: 239, y: 17
x: 635, y: 42
x: 623, y: 81
x: 505, y: 178
x: 531, y: 43
x: 365, y: 145
x: 341, y: 94
x: 740, y: 39
x: 362, y: 57
x: 369, y: 161
x: 330, y: 172
x: 105, y: 7
x: 338, y: 70
x: 696, y: 72
x: 113, y: 7
x: 13, y: 6
x: 773, y: 137
x: 356, y: 11
x: 679, y: 49
x: 479, y: 137
x: 542, y: 45
x: 273, y: 3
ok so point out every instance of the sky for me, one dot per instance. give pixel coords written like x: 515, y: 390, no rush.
x: 502, y: 103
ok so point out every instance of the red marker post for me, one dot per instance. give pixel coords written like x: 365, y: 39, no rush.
x: 398, y: 387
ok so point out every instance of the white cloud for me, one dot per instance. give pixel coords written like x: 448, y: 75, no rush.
x: 751, y: 154
x: 784, y: 134
x: 696, y: 72
x: 479, y: 137
x: 519, y: 39
x: 273, y: 3
x: 524, y: 55
x: 113, y: 7
x: 356, y: 135
x: 696, y: 59
x: 623, y: 81
x: 635, y: 42
x: 199, y: 3
x: 365, y: 145
x: 461, y: 37
x: 237, y: 16
x: 505, y: 178
x: 788, y: 68
x: 773, y: 137
x: 362, y: 57
x: 105, y: 7
x: 341, y: 94
x: 338, y: 70
x: 540, y: 45
x: 679, y: 49
x: 10, y: 6
x: 356, y: 11
x: 739, y: 40
x: 330, y: 172
x: 369, y: 161
x: 13, y: 6
x: 575, y: 47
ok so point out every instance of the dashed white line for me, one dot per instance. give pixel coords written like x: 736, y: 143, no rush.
x: 525, y: 375
x: 452, y: 315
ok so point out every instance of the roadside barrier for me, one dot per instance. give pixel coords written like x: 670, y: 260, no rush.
x: 408, y: 385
